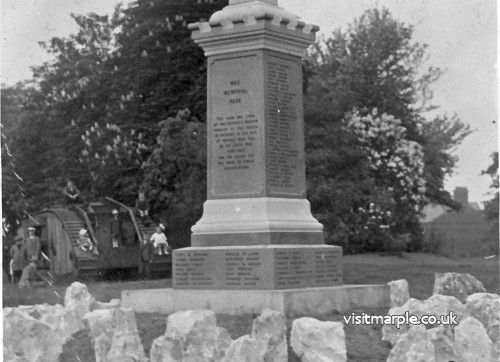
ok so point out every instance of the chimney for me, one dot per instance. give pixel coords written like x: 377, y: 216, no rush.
x: 461, y: 194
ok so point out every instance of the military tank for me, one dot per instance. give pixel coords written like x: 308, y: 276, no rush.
x: 59, y: 227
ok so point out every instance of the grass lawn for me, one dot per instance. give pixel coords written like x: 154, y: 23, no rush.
x: 363, y: 342
x: 102, y: 291
x: 418, y: 269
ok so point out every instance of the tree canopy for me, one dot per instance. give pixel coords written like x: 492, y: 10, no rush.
x: 374, y: 67
x: 491, y: 206
x: 121, y: 107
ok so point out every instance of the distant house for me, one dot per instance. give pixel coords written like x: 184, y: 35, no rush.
x: 459, y: 234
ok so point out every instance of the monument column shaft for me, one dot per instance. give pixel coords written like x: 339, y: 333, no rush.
x: 255, y: 125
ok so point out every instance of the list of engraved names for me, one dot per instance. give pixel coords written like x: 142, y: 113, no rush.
x: 282, y: 125
x: 240, y: 268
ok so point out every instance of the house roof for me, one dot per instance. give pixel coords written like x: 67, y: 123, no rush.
x: 471, y: 213
x: 432, y: 211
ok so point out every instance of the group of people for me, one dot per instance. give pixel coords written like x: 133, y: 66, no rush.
x: 157, y: 241
x: 25, y: 253
x: 23, y: 264
x: 155, y: 244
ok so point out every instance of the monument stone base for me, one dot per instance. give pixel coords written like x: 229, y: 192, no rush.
x: 257, y: 267
x: 256, y: 221
x: 290, y: 302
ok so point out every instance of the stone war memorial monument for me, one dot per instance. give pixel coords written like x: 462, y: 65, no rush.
x: 257, y: 244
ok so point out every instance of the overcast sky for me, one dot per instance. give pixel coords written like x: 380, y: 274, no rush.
x: 461, y: 34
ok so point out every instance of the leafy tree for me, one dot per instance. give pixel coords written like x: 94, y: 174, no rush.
x: 491, y: 206
x: 440, y: 137
x: 13, y: 196
x: 25, y: 185
x: 175, y: 172
x: 127, y: 72
x: 375, y: 64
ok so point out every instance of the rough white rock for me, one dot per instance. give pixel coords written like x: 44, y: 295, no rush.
x: 245, y: 349
x: 126, y: 347
x: 316, y: 341
x: 222, y: 342
x: 389, y: 332
x: 495, y: 351
x: 53, y: 315
x: 10, y: 356
x: 57, y: 327
x: 125, y: 320
x: 413, y: 346
x: 436, y: 305
x: 196, y: 333
x: 208, y: 344
x: 270, y: 330
x: 114, y: 334
x: 77, y: 303
x: 102, y: 325
x: 458, y: 285
x: 29, y: 338
x: 485, y: 307
x: 166, y: 349
x: 442, y: 339
x: 48, y: 327
x: 180, y: 324
x: 399, y: 291
x: 267, y: 341
x: 441, y: 305
x: 472, y: 342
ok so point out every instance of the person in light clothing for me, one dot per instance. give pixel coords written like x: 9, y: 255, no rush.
x: 85, y: 243
x: 160, y: 240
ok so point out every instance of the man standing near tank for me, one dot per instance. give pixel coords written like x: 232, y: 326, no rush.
x: 18, y: 259
x: 32, y: 245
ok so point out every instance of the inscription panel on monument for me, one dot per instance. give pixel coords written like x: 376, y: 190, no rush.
x: 284, y: 132
x: 235, y: 268
x: 192, y: 268
x: 327, y: 267
x: 257, y: 267
x: 235, y: 127
x: 245, y: 269
x: 312, y: 267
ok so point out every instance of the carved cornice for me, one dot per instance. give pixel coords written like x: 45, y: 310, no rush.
x: 253, y: 25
